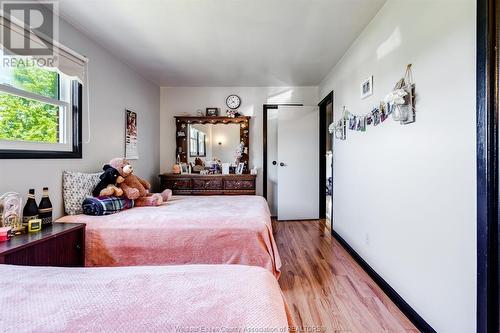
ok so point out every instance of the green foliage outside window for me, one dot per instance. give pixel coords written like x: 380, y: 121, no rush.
x: 26, y: 119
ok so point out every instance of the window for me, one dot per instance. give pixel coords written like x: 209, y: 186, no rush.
x: 40, y: 113
x: 197, y: 143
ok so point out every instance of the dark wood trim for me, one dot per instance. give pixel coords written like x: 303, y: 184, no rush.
x: 76, y: 152
x: 264, y: 147
x: 322, y: 152
x: 487, y: 167
x: 266, y: 107
x: 212, y: 119
x: 407, y: 310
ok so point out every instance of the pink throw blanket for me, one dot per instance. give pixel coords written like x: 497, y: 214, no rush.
x: 192, y: 298
x: 185, y: 230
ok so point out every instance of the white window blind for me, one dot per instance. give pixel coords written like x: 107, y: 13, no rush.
x: 67, y: 61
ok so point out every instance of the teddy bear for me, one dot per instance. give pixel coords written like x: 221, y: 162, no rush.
x: 107, y: 185
x: 136, y: 188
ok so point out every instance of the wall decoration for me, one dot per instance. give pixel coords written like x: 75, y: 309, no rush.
x: 361, y: 126
x: 338, y: 128
x: 352, y: 122
x: 399, y: 103
x: 212, y: 112
x: 402, y: 99
x: 131, y: 144
x: 376, y: 116
x: 233, y: 101
x: 367, y: 87
x: 369, y: 119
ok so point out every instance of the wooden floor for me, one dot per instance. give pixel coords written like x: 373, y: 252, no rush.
x: 327, y: 291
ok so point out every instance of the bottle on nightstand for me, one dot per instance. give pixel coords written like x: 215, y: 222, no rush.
x: 45, y: 208
x: 30, y: 211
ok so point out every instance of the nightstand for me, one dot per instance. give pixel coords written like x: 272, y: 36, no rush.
x: 61, y: 244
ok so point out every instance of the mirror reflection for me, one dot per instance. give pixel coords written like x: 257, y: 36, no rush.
x: 210, y: 142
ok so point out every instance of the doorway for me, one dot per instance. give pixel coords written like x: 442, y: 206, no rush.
x: 291, y: 161
x: 488, y: 221
x: 326, y: 160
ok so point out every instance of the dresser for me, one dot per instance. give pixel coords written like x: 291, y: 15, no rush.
x: 60, y: 244
x: 195, y: 184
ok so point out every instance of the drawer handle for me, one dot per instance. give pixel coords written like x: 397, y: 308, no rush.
x: 78, y: 247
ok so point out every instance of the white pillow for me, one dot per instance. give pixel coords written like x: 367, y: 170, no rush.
x: 76, y: 187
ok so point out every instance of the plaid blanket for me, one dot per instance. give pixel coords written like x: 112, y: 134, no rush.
x: 105, y: 205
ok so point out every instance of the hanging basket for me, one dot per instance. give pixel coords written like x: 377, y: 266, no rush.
x: 401, y: 100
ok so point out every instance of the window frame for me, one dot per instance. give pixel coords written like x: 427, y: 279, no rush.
x: 197, y: 139
x: 76, y: 134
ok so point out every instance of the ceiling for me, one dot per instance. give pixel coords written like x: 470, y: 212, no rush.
x: 224, y: 42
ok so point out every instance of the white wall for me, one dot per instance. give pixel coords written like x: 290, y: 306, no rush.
x: 113, y: 86
x: 186, y: 100
x: 405, y: 196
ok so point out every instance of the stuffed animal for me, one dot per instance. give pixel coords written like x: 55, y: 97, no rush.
x: 136, y: 188
x: 107, y: 186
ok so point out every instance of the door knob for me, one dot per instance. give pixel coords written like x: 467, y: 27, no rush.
x: 282, y: 164
x: 274, y: 162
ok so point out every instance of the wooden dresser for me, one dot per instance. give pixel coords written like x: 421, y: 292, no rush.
x: 60, y: 244
x: 195, y: 184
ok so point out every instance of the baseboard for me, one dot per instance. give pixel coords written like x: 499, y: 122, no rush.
x: 407, y: 310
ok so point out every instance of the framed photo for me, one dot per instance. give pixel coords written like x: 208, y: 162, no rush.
x: 131, y: 144
x: 212, y: 112
x: 239, y: 168
x: 184, y: 168
x: 367, y: 87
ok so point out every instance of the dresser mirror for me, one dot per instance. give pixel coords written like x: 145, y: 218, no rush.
x: 208, y: 143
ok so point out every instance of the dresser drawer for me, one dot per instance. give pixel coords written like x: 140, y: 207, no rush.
x: 178, y: 184
x: 207, y: 184
x: 239, y: 184
x: 196, y: 184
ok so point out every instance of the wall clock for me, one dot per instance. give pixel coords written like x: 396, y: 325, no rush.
x: 233, y: 101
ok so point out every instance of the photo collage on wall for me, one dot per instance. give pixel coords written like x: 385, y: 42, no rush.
x: 400, y: 103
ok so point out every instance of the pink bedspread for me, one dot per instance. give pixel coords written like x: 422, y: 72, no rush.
x: 192, y: 298
x: 185, y: 230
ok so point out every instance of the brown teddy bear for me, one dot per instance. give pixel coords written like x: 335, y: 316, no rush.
x: 136, y: 188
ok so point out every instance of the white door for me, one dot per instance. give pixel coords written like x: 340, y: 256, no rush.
x: 298, y: 162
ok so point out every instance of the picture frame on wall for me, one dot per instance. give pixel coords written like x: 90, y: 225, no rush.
x: 367, y: 87
x: 131, y: 139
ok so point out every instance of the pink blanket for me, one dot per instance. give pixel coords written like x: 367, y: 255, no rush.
x: 192, y: 298
x: 185, y: 230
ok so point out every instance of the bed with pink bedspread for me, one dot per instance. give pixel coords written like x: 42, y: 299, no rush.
x: 191, y: 298
x: 185, y: 230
